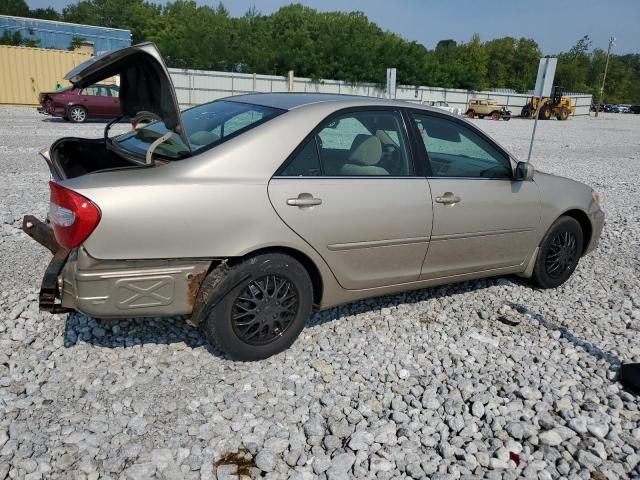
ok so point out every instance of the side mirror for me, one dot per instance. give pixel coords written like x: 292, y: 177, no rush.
x: 524, y: 171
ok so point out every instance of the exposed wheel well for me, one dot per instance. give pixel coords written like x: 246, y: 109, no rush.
x: 307, y: 263
x: 585, y: 224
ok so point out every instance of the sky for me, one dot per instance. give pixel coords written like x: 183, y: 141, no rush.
x: 555, y: 24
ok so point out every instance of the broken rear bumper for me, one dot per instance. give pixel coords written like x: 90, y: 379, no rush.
x: 115, y: 288
x: 49, y: 300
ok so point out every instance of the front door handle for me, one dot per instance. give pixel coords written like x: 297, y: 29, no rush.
x: 304, y: 200
x: 448, y: 198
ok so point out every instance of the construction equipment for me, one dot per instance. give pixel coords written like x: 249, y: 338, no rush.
x: 557, y: 105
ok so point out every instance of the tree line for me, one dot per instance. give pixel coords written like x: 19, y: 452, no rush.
x: 337, y: 45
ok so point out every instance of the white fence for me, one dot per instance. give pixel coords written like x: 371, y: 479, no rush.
x: 199, y: 86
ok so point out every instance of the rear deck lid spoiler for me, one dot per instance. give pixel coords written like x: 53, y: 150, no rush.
x: 145, y: 83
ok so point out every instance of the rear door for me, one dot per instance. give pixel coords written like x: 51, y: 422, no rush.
x: 113, y: 103
x: 483, y: 219
x: 100, y: 103
x: 88, y: 99
x: 351, y: 191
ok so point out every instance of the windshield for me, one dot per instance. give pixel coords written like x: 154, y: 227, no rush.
x: 205, y: 125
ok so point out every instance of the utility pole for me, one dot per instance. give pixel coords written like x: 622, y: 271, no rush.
x: 604, y: 77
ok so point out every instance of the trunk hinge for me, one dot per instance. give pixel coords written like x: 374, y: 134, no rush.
x: 155, y: 143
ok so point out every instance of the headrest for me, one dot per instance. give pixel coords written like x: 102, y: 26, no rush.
x: 385, y: 138
x: 368, y: 152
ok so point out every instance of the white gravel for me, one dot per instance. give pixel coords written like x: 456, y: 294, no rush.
x: 429, y: 384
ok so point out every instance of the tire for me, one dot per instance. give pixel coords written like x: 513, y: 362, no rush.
x: 545, y: 113
x: 495, y: 115
x: 559, y: 253
x: 564, y: 114
x: 525, y: 112
x: 77, y: 114
x: 251, y: 321
x: 506, y: 119
x: 471, y: 114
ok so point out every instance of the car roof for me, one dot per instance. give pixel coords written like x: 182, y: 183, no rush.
x: 292, y: 100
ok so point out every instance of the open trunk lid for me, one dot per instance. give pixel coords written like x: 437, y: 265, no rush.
x: 145, y: 83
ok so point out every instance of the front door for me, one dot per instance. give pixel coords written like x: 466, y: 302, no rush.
x: 351, y: 192
x: 483, y: 219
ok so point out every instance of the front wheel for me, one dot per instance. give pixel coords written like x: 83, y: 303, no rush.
x: 559, y: 253
x: 265, y: 311
x: 77, y: 114
x: 471, y: 114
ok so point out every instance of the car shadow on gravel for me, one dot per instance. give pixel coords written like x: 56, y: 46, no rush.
x: 123, y: 333
x: 409, y: 297
x: 62, y: 121
x: 596, y: 352
x: 131, y: 332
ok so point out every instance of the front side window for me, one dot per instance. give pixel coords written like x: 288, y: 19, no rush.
x: 206, y: 125
x: 363, y: 143
x: 455, y: 150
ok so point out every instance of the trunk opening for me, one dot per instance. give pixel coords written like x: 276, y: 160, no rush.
x: 74, y: 157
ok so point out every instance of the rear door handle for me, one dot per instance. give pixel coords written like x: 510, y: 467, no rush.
x: 304, y: 200
x: 448, y: 198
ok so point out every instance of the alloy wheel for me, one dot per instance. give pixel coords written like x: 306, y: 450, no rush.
x: 264, y: 309
x: 78, y: 114
x: 562, y: 254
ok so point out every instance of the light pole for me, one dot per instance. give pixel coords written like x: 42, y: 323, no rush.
x: 604, y: 77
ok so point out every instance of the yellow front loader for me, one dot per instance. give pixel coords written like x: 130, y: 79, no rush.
x: 557, y: 105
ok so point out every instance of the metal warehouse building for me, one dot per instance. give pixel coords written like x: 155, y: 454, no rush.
x: 59, y: 34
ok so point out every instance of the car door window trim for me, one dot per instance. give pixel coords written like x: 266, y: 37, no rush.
x: 338, y: 113
x: 504, y: 155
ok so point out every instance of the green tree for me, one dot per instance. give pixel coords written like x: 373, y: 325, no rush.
x: 16, y: 39
x: 337, y: 45
x: 132, y: 15
x: 18, y: 8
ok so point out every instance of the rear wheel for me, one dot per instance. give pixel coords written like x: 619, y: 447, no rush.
x: 265, y: 311
x: 559, y: 253
x: 77, y: 114
x: 526, y: 112
x: 545, y: 112
x: 471, y: 114
x: 495, y: 115
x: 564, y: 114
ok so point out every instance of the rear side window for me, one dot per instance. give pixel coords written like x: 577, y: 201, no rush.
x: 90, y: 91
x: 305, y: 164
x: 356, y: 144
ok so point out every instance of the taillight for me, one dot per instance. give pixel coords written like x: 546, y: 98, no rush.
x: 72, y: 216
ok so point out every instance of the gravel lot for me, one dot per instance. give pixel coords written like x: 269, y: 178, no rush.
x: 426, y: 384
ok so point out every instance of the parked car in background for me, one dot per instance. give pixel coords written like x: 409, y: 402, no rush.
x: 248, y: 213
x: 79, y: 104
x: 622, y: 108
x: 443, y: 105
x: 634, y: 109
x: 485, y: 107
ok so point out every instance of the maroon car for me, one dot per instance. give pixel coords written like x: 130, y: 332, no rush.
x: 76, y: 105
